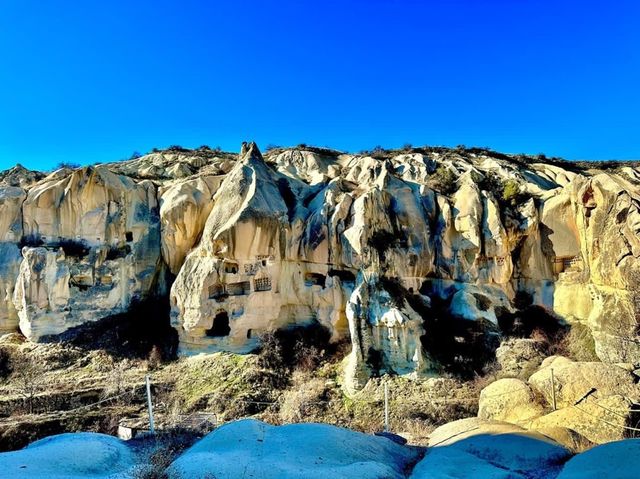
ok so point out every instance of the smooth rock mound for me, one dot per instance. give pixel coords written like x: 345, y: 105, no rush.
x: 448, y: 463
x: 69, y: 456
x: 575, y: 379
x: 510, y: 400
x: 615, y: 460
x: 250, y: 448
x: 503, y: 445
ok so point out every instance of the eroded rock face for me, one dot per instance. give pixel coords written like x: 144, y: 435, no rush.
x: 11, y: 198
x: 384, y: 250
x: 93, y: 247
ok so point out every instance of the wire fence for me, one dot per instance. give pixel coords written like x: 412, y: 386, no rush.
x: 137, y: 396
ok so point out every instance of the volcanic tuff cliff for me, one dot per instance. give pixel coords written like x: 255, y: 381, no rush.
x: 372, y: 247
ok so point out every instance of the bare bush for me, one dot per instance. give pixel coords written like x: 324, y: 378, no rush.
x: 158, y: 452
x: 27, y: 378
x: 305, y: 400
x: 577, y: 344
x: 443, y: 180
x: 116, y: 384
x: 155, y: 358
x: 5, y: 363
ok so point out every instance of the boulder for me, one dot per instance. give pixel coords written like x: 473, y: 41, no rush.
x: 250, y: 448
x: 614, y: 460
x: 569, y: 438
x: 519, y: 358
x: 501, y: 444
x: 597, y: 420
x: 449, y: 463
x: 575, y: 379
x: 92, y: 248
x: 70, y: 456
x: 510, y: 400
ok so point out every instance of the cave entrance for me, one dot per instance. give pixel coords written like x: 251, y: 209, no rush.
x: 220, y: 326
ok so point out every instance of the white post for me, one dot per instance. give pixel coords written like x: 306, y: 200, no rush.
x: 150, y: 406
x: 386, y: 407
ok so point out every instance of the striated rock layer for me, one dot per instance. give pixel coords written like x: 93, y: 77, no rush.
x: 382, y: 249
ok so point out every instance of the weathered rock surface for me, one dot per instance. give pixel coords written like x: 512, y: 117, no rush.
x: 250, y: 448
x: 597, y: 420
x: 595, y: 402
x: 92, y: 246
x: 510, y: 400
x: 519, y: 358
x: 615, y: 460
x: 372, y: 248
x: 70, y: 456
x: 502, y: 445
x: 573, y: 380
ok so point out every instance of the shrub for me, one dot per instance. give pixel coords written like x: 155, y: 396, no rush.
x: 378, y: 153
x: 303, y: 401
x: 511, y: 192
x: 524, y: 322
x: 307, y: 357
x: 27, y: 378
x: 159, y: 451
x: 443, y: 180
x: 577, y: 343
x: 506, y: 192
x: 5, y: 363
x: 67, y: 164
x: 177, y: 148
x: 155, y: 357
x: 31, y: 241
x: 116, y: 252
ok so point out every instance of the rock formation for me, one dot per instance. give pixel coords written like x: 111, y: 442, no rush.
x: 385, y: 249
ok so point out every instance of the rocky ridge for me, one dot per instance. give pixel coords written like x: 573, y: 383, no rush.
x: 417, y: 257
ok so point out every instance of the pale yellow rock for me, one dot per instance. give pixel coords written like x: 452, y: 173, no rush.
x: 184, y: 208
x: 569, y: 438
x: 598, y: 420
x: 262, y: 243
x: 575, y: 379
x: 520, y: 358
x: 510, y: 400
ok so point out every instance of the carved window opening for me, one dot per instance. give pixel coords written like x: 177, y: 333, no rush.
x: 231, y: 268
x: 220, y: 326
x: 250, y: 269
x: 216, y: 291
x: 314, y: 279
x: 249, y: 334
x: 128, y: 236
x: 262, y: 284
x: 238, y: 289
x: 564, y: 263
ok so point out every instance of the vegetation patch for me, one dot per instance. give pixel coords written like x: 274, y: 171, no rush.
x: 132, y: 334
x: 444, y: 180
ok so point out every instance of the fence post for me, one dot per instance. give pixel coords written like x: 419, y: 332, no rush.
x: 553, y: 390
x: 386, y: 407
x: 150, y: 406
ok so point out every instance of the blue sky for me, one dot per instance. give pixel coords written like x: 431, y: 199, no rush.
x: 87, y: 81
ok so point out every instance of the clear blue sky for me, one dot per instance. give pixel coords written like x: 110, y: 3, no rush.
x: 87, y: 81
